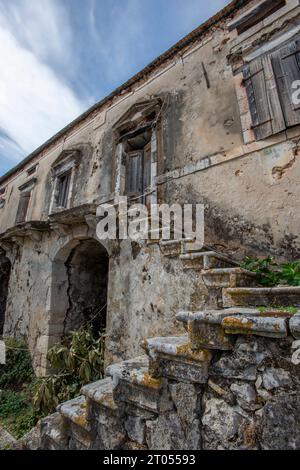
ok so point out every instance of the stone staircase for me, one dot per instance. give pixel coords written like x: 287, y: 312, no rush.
x: 211, y: 388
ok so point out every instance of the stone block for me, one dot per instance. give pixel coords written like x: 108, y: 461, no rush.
x: 274, y: 378
x: 75, y: 412
x: 261, y: 296
x: 81, y: 435
x: 210, y: 336
x: 187, y: 401
x: 54, y: 432
x: 77, y: 445
x: 281, y: 423
x: 166, y: 433
x: 135, y: 428
x: 173, y: 358
x: 246, y: 396
x: 228, y: 277
x: 255, y: 325
x: 243, y: 362
x: 32, y: 440
x: 294, y: 324
x: 133, y: 384
x: 223, y: 425
x: 205, y: 328
x: 110, y: 432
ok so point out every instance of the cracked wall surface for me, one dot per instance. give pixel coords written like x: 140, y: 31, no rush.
x: 205, y: 155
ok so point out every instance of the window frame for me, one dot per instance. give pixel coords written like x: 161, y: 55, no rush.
x: 66, y: 163
x: 266, y: 102
x: 142, y: 116
x: 63, y: 189
x: 24, y: 201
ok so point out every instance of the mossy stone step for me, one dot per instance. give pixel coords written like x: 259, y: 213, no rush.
x: 282, y: 296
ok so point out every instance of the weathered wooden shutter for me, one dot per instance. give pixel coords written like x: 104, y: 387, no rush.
x: 286, y: 65
x: 147, y: 167
x: 264, y: 102
x: 134, y: 174
x: 23, y: 207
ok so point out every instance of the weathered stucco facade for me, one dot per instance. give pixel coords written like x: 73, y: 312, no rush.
x: 191, y: 108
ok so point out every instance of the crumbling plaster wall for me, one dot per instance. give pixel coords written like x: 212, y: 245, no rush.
x: 5, y: 267
x: 146, y: 291
x: 251, y: 203
x: 26, y: 313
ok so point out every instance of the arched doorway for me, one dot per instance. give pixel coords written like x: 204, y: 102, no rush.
x: 79, y: 289
x: 5, y: 268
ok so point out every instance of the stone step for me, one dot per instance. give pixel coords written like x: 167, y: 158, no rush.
x: 206, y: 260
x: 54, y: 435
x: 80, y: 430
x: 75, y: 411
x: 228, y: 277
x: 173, y: 358
x: 193, y: 245
x: 100, y: 392
x: 216, y: 329
x: 171, y: 248
x: 133, y: 385
x: 104, y: 415
x: 262, y: 296
x: 174, y: 248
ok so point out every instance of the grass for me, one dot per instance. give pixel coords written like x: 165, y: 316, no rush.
x: 17, y: 415
x: 17, y: 382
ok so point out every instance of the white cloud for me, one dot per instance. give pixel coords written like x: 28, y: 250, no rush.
x: 42, y: 26
x: 12, y: 151
x: 35, y: 102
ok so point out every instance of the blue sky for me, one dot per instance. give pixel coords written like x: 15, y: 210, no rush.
x: 58, y: 57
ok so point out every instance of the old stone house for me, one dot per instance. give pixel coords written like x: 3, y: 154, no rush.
x: 210, y: 121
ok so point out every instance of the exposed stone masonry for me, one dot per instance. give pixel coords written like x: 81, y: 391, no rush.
x: 230, y: 382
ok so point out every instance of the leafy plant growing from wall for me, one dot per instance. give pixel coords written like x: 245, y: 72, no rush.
x: 291, y: 273
x: 75, y: 363
x: 271, y: 274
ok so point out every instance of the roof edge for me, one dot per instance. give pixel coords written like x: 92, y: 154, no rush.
x: 171, y: 52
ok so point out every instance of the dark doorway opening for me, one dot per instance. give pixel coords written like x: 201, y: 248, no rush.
x: 87, y: 273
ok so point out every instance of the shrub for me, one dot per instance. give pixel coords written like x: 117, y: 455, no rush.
x: 18, y: 368
x: 76, y: 363
x: 271, y: 274
x: 16, y: 378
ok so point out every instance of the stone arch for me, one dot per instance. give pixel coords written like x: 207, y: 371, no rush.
x: 5, y: 270
x: 78, y: 288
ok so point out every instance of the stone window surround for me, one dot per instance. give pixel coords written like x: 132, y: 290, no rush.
x: 240, y: 39
x: 32, y: 170
x: 120, y: 168
x: 67, y: 162
x: 263, y: 5
x: 243, y: 103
